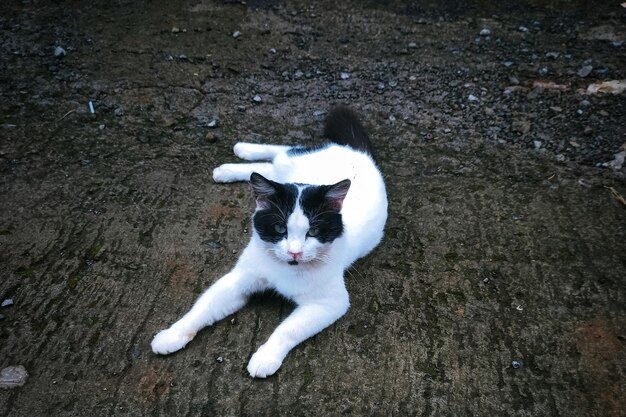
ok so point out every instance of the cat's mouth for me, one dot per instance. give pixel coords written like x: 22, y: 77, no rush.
x: 293, y: 262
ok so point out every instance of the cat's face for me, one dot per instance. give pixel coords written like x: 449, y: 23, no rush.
x: 298, y: 222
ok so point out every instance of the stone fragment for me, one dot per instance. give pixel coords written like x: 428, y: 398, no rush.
x: 13, y: 377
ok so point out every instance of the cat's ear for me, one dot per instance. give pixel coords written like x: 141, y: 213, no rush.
x: 263, y: 189
x: 337, y: 192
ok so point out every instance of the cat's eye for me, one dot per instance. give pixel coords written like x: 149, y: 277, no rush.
x: 314, y: 231
x: 280, y: 228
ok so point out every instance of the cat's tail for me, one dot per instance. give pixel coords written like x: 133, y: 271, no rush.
x: 344, y: 128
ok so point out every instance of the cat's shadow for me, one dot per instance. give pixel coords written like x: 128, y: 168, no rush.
x: 271, y: 300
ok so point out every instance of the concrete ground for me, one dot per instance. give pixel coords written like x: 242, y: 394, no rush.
x: 504, y: 242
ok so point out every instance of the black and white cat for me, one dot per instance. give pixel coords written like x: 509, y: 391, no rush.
x: 317, y: 211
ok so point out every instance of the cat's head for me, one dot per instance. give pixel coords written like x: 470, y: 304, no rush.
x: 298, y: 222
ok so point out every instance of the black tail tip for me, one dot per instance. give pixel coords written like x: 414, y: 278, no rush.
x: 344, y: 128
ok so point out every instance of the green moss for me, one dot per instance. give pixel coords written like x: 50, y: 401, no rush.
x: 94, y: 251
x: 451, y: 256
x: 25, y: 272
x: 427, y: 369
x: 94, y: 339
x: 458, y: 295
x: 474, y: 187
x: 498, y: 258
x: 73, y: 280
x: 307, y: 378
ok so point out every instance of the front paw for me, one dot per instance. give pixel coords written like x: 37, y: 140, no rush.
x: 170, y: 340
x: 245, y: 150
x: 264, y: 363
x: 225, y: 173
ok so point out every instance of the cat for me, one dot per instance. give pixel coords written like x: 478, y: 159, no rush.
x: 318, y: 209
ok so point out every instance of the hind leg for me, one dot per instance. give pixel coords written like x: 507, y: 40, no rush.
x: 241, y: 172
x: 258, y: 152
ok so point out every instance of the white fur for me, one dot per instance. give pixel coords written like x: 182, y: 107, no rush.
x: 316, y: 284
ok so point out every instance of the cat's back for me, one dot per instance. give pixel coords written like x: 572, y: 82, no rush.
x: 348, y: 156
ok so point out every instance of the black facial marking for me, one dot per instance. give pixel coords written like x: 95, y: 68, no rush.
x: 323, y: 213
x: 277, y: 203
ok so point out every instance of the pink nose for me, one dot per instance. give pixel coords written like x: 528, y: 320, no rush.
x: 296, y: 255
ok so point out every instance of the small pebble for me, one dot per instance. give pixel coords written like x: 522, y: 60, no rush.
x: 59, y: 52
x: 13, y: 377
x: 517, y: 217
x: 537, y: 144
x: 472, y: 98
x: 553, y: 55
x: 319, y: 113
x: 513, y: 80
x: 560, y: 157
x: 515, y: 364
x: 543, y: 71
x: 412, y: 45
x: 102, y: 127
x: 212, y: 244
x: 393, y: 83
x: 602, y: 70
x: 236, y: 34
x: 617, y: 44
x: 447, y: 130
x: 212, y: 123
x: 91, y: 108
x: 508, y: 64
x: 175, y: 30
x: 523, y: 29
x: 219, y: 359
x: 257, y: 99
x: 7, y: 302
x: 485, y: 32
x: 344, y: 75
x: 584, y: 71
x: 273, y: 50
x: 136, y: 352
x: 381, y: 86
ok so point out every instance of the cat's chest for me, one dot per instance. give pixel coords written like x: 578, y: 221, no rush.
x: 299, y: 286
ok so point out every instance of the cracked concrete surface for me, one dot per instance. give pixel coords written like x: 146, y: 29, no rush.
x: 110, y: 224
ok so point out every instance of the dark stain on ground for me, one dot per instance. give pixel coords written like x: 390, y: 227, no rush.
x: 602, y: 357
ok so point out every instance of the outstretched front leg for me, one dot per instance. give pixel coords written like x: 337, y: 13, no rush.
x: 242, y: 172
x: 308, y: 319
x: 224, y: 297
x: 258, y: 151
